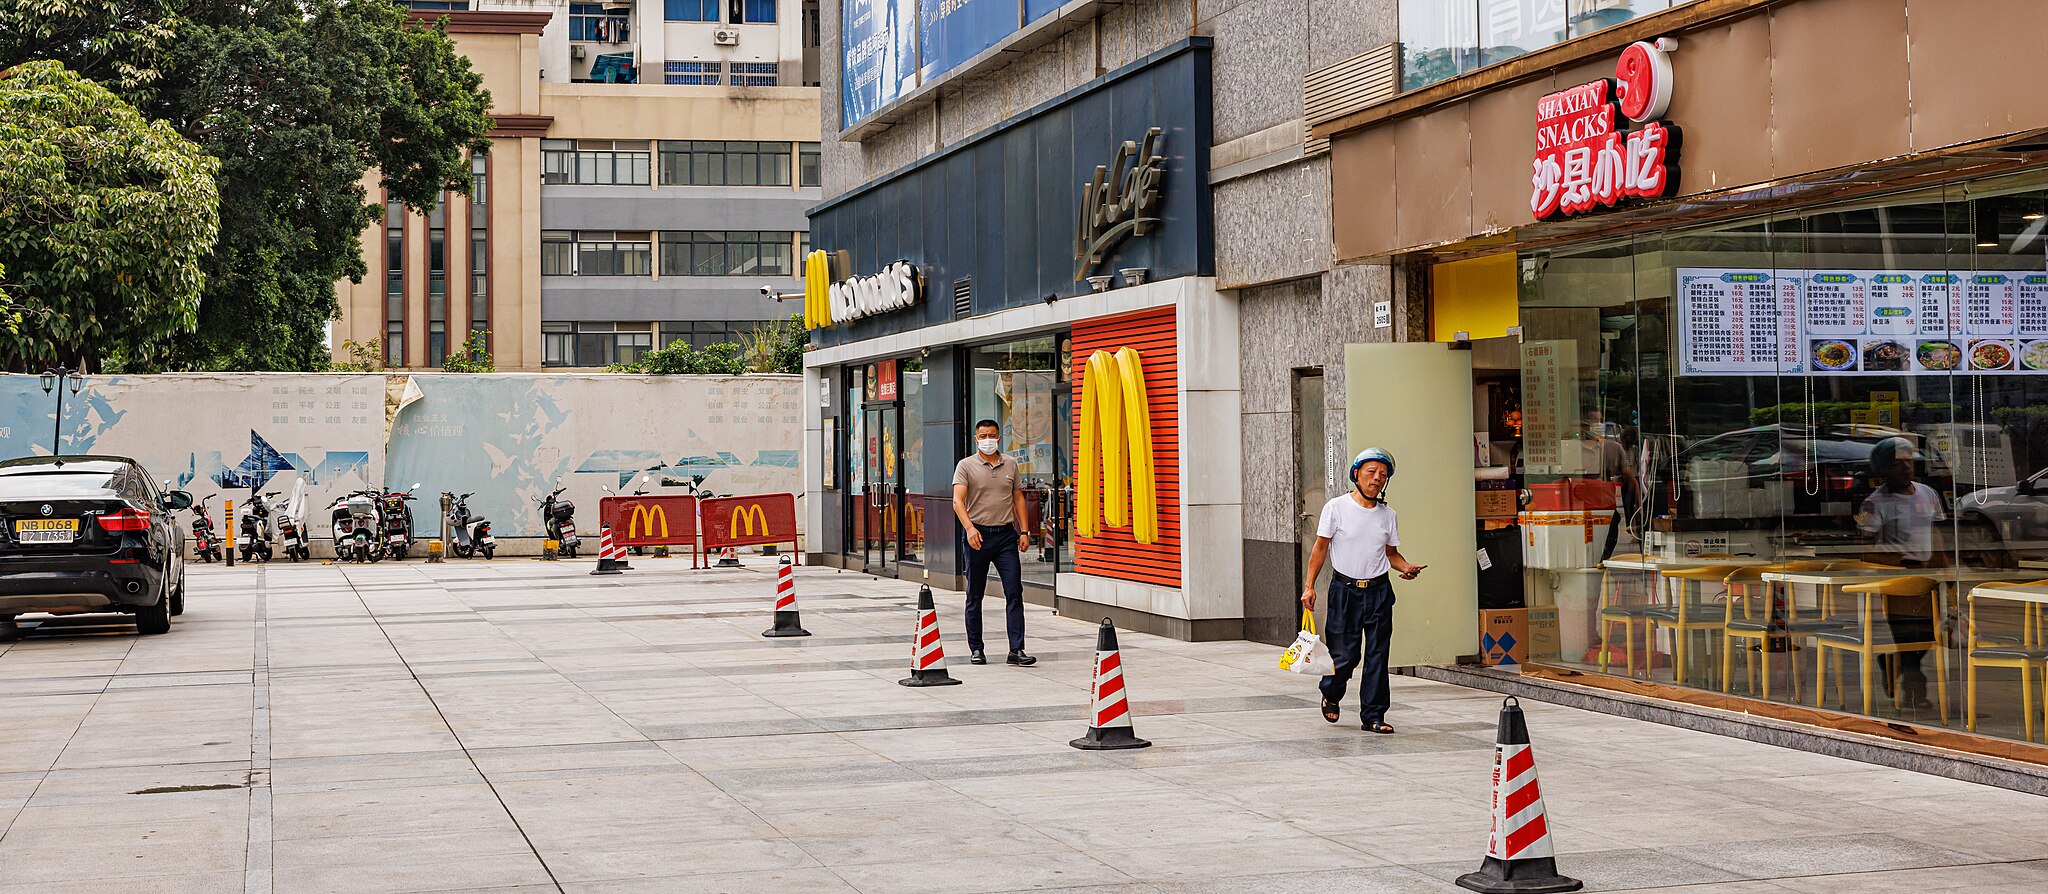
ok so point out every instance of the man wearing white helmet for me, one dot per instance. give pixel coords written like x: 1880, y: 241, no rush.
x: 1358, y: 536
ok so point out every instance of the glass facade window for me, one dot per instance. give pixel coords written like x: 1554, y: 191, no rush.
x: 1015, y: 384
x: 394, y: 283
x: 558, y: 344
x: 589, y: 22
x: 727, y: 253
x: 614, y: 254
x: 1441, y: 39
x: 437, y: 283
x: 755, y: 12
x: 691, y: 10
x: 754, y: 74
x: 557, y: 253
x: 703, y: 74
x: 724, y: 163
x: 1851, y: 393
x: 807, y: 167
x: 595, y: 162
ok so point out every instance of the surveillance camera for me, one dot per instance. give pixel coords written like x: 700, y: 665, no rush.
x: 767, y: 292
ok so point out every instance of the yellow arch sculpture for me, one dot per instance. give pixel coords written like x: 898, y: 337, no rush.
x: 1116, y: 448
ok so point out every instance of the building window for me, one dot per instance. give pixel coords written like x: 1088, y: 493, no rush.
x: 812, y: 30
x: 558, y: 344
x: 394, y: 283
x: 808, y: 171
x: 557, y: 161
x: 727, y: 253
x: 438, y: 5
x: 753, y: 12
x: 1442, y: 40
x: 479, y: 243
x: 557, y: 252
x: 601, y: 253
x: 595, y: 162
x: 753, y: 74
x: 701, y: 334
x: 589, y: 22
x: 394, y: 343
x: 698, y: 73
x: 724, y: 163
x: 692, y: 11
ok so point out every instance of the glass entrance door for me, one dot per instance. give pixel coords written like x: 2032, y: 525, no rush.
x: 881, y: 507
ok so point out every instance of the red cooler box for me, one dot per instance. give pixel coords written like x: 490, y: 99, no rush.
x: 1574, y: 495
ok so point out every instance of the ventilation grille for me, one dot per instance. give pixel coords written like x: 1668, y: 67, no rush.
x: 963, y: 297
x: 1364, y: 80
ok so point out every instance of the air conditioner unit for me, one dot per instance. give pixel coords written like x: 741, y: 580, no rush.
x: 576, y: 51
x: 726, y: 37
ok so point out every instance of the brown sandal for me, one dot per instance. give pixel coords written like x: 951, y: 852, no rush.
x: 1382, y: 728
x: 1329, y: 711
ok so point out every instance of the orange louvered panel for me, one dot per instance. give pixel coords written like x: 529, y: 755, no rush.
x: 1113, y: 553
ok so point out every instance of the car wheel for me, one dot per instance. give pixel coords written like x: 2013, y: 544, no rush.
x: 151, y: 620
x: 178, y: 596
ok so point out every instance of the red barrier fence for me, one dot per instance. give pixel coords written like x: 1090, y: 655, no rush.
x: 748, y: 520
x: 651, y: 520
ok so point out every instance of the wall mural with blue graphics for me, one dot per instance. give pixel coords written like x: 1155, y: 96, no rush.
x: 507, y: 437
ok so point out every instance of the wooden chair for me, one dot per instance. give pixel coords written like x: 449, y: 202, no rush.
x: 1868, y: 640
x: 1688, y: 614
x: 2025, y: 651
x: 1761, y: 629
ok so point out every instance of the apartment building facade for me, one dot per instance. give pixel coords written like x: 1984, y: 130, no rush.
x: 646, y: 182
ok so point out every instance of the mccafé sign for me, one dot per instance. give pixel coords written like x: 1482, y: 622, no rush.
x: 827, y: 303
x: 1118, y: 202
x: 1586, y: 159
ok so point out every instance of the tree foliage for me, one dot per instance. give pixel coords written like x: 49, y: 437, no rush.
x: 298, y: 99
x: 775, y: 347
x: 474, y: 356
x: 105, y: 219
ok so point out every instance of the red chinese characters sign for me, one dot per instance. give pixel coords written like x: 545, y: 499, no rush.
x: 1585, y: 160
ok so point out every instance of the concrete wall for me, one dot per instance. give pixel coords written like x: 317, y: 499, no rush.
x: 504, y: 436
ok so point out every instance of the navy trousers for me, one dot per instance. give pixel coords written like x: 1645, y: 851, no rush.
x: 998, y: 548
x: 1359, y: 627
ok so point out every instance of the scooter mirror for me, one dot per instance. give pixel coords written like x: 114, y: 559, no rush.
x: 415, y: 486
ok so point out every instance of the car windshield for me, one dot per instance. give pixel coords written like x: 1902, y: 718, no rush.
x: 55, y: 485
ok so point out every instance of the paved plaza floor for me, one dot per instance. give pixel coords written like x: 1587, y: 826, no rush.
x: 522, y: 726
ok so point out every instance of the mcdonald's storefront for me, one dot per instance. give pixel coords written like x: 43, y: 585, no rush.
x: 1050, y: 274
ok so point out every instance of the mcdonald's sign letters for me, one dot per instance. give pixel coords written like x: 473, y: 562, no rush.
x: 748, y: 520
x: 1116, y: 449
x: 652, y: 520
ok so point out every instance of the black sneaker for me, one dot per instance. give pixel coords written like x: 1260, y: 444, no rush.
x: 977, y: 658
x: 1021, y: 660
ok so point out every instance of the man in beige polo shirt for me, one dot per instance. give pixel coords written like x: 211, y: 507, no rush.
x: 988, y: 499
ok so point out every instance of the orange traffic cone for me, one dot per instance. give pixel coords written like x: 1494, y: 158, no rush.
x: 927, y: 655
x: 786, y: 621
x: 607, y: 557
x: 1109, y: 716
x: 1520, y: 858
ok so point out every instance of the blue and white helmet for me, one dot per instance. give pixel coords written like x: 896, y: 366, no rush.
x: 1372, y: 454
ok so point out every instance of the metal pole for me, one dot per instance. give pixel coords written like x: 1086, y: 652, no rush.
x: 230, y: 529
x: 57, y: 425
x: 447, y: 503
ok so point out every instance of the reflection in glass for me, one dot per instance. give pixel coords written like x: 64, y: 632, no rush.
x: 1014, y: 384
x: 1790, y: 449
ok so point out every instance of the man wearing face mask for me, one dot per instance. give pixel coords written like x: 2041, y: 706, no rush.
x: 988, y: 498
x: 1359, y: 538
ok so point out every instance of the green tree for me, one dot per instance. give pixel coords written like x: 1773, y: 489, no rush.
x: 362, y: 356
x: 474, y: 356
x: 299, y: 99
x: 105, y: 219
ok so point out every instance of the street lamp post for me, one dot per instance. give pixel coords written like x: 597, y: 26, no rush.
x: 59, y: 380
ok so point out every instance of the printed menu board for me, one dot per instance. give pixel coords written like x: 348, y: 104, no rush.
x: 1861, y: 322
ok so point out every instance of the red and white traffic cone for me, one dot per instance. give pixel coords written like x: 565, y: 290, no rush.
x: 1109, y: 712
x: 786, y: 621
x: 927, y: 655
x: 1520, y: 858
x: 730, y: 559
x: 607, y: 557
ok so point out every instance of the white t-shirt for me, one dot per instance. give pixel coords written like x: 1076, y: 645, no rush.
x: 1903, y: 523
x: 1359, y: 537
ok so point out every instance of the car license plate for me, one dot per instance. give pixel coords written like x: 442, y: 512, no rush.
x: 46, y: 530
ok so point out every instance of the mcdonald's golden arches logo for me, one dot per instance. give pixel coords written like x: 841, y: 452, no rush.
x: 1116, y: 449
x: 649, y: 513
x: 817, y: 290
x: 751, y: 514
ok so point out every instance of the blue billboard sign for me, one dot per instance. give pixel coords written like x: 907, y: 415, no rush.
x: 1038, y: 9
x: 953, y: 31
x: 878, y: 55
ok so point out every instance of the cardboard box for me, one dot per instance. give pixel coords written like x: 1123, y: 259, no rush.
x: 1504, y: 636
x: 1496, y: 503
x: 1544, y: 643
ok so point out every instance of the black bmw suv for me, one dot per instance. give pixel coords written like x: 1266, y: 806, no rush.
x: 83, y: 534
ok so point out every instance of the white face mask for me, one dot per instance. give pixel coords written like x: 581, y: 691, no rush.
x: 987, y: 445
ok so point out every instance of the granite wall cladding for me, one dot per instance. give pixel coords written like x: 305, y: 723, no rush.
x: 1261, y: 55
x: 1274, y: 225
x: 1139, y: 28
x: 1341, y: 29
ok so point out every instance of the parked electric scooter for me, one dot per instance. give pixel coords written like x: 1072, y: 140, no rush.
x: 470, y: 535
x: 558, y: 519
x: 397, y: 520
x: 255, y: 543
x: 291, y: 525
x: 357, y: 521
x: 205, y: 539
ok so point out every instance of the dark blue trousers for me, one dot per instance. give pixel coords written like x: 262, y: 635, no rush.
x: 1359, y: 627
x: 998, y: 548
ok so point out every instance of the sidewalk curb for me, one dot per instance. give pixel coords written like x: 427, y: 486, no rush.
x: 2017, y: 776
